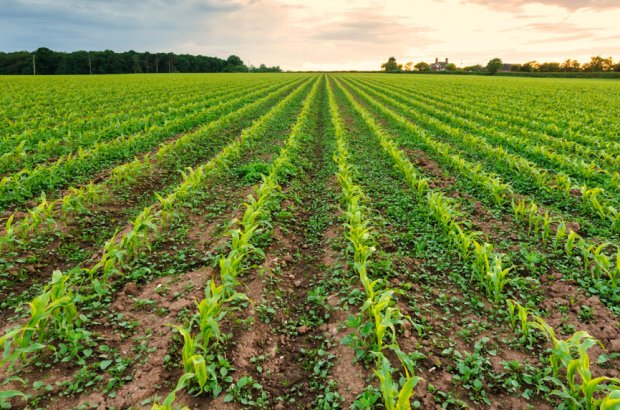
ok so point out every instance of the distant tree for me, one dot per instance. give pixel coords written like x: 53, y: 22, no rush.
x: 73, y: 63
x: 599, y: 63
x: 515, y: 67
x: 474, y: 68
x: 19, y: 62
x: 422, y: 66
x: 494, y: 65
x: 409, y: 66
x: 264, y: 69
x: 391, y: 66
x: 617, y: 67
x: 570, y: 65
x: 530, y: 66
x: 46, y: 60
x: 451, y: 67
x: 234, y: 64
x: 234, y: 60
x: 549, y: 67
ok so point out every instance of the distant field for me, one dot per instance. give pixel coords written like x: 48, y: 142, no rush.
x: 309, y: 241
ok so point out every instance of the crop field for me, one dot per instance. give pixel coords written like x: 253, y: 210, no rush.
x: 319, y: 241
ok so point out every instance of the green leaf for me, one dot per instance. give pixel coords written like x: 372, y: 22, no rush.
x: 8, y: 394
x: 105, y: 364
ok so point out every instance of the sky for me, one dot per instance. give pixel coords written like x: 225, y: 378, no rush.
x: 322, y: 34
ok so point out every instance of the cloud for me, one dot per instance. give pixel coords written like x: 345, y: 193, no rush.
x: 558, y: 39
x: 298, y: 36
x: 367, y: 26
x: 572, y: 5
x: 562, y: 28
x: 98, y: 24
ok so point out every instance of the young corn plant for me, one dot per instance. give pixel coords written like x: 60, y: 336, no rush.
x: 37, y: 216
x: 593, y: 253
x: 582, y: 388
x: 481, y: 261
x: 614, y: 274
x: 590, y: 197
x: 211, y: 312
x: 394, y: 397
x: 569, y: 246
x: 138, y: 238
x: 463, y: 240
x: 79, y: 199
x: 73, y: 204
x: 517, y: 311
x: 194, y: 363
x: 168, y: 402
x: 496, y: 278
x: 546, y: 227
x: 563, y: 184
x: 52, y: 313
x: 8, y: 240
x: 533, y: 219
x: 441, y: 210
x: 571, y: 354
x: 519, y: 209
x: 196, y: 353
x: 497, y: 189
x: 560, y: 234
x: 562, y: 350
x: 127, y: 174
x: 602, y: 263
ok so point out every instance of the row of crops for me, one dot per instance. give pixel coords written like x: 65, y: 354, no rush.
x: 309, y: 241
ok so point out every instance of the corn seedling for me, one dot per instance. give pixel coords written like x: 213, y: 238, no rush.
x: 517, y: 311
x: 614, y: 274
x: 563, y: 184
x: 39, y: 215
x: 498, y: 190
x: 519, y: 209
x: 560, y: 234
x: 590, y: 197
x: 569, y: 246
x: 496, y: 278
x: 394, y: 397
x: 51, y: 313
x: 546, y: 227
x: 137, y: 238
x: 481, y: 265
x: 463, y: 240
x: 168, y: 402
x: 582, y: 387
x: 8, y: 240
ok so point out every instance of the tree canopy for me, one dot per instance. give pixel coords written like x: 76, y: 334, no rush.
x: 494, y: 65
x: 391, y: 66
x: 422, y: 66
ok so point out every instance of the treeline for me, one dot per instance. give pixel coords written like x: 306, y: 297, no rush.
x: 46, y: 61
x: 597, y: 64
x: 592, y: 68
x: 562, y: 74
